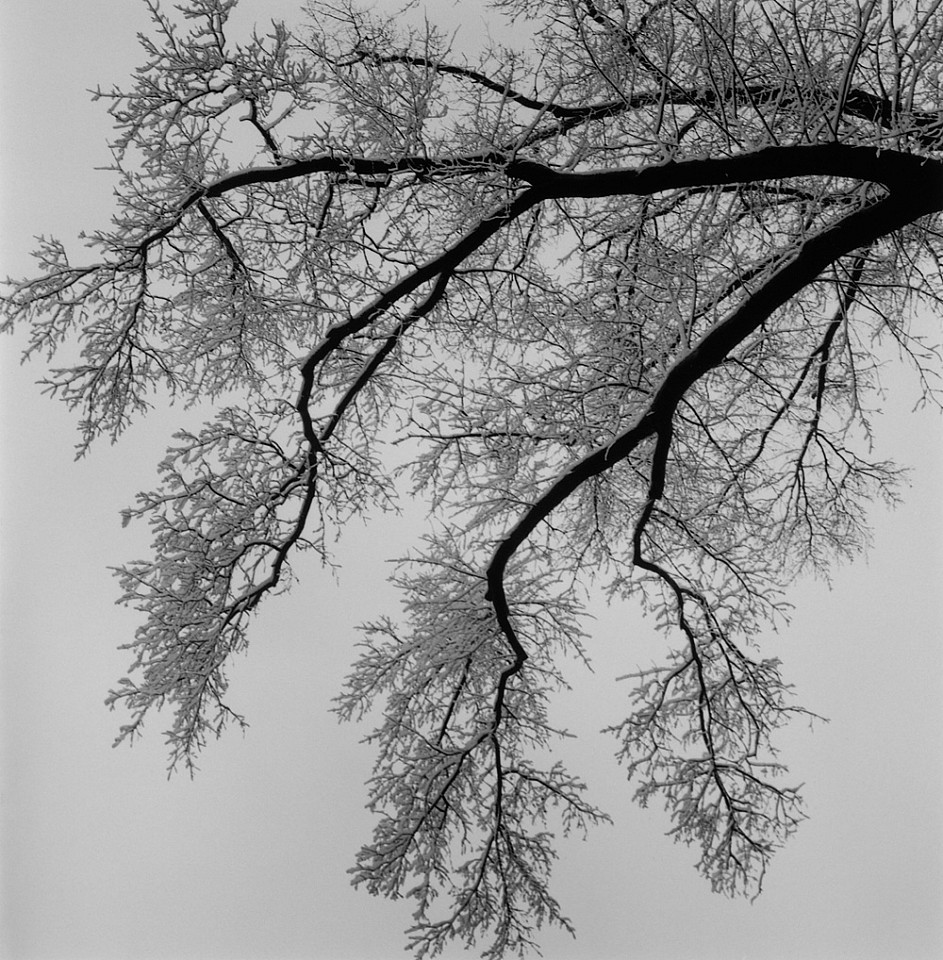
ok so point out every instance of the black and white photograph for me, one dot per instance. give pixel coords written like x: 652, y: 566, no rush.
x: 471, y: 479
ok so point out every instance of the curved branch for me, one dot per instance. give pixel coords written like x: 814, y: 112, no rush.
x: 505, y: 89
x: 857, y: 230
x: 445, y: 263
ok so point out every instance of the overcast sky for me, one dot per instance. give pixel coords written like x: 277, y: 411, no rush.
x: 103, y: 857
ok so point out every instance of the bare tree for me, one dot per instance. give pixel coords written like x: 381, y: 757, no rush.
x: 607, y: 297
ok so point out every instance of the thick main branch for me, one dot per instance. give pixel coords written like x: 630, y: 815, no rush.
x: 923, y: 195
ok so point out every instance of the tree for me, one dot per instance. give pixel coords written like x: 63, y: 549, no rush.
x: 609, y: 299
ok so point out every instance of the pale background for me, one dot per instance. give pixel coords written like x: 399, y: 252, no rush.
x: 103, y: 858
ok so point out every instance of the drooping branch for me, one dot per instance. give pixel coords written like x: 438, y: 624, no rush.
x: 859, y: 229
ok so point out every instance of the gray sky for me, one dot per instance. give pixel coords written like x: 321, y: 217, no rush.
x: 103, y: 857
